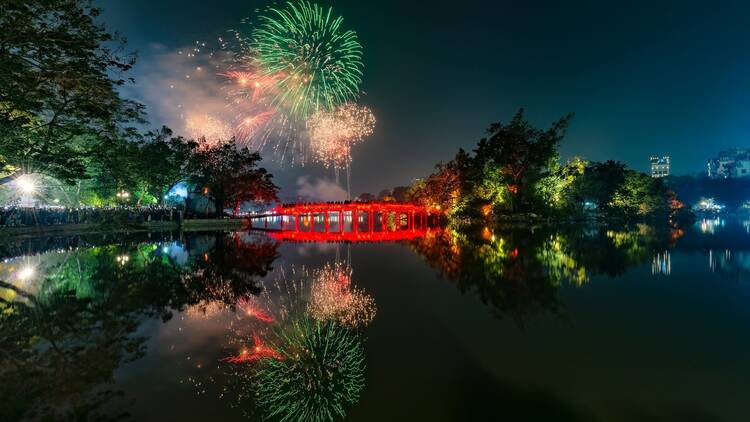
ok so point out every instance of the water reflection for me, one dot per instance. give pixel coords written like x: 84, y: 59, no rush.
x: 709, y: 225
x: 662, y: 263
x: 518, y: 271
x: 300, y: 350
x: 69, y: 318
x: 290, y: 339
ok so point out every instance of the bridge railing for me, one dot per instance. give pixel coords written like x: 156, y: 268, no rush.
x: 347, y: 217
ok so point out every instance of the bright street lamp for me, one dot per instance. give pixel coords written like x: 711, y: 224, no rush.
x: 26, y: 184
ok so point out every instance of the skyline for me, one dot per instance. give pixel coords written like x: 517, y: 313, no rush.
x: 637, y: 84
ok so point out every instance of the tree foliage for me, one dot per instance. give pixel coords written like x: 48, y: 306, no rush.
x: 230, y: 175
x: 516, y: 169
x: 60, y: 71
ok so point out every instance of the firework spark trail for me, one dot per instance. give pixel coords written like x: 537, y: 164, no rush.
x: 250, y: 125
x: 320, y: 62
x: 207, y: 130
x: 332, y: 134
x: 251, y: 85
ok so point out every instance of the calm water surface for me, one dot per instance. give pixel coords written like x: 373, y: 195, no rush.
x: 568, y: 323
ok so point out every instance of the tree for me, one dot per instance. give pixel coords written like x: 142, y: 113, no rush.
x: 60, y: 71
x: 600, y: 182
x: 641, y: 195
x: 161, y: 162
x: 384, y: 195
x: 520, y: 154
x: 444, y: 188
x: 227, y: 174
x: 400, y: 193
x: 557, y: 191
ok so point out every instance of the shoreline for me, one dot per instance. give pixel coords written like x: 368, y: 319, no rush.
x: 193, y: 225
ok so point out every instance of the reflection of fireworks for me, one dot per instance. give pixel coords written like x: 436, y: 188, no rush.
x: 332, y: 298
x: 205, y: 309
x: 332, y: 134
x: 208, y: 130
x: 321, y: 63
x: 319, y: 371
x: 298, y: 354
x: 259, y: 351
x: 249, y: 307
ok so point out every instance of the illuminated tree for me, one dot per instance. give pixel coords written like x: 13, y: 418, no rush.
x: 520, y: 154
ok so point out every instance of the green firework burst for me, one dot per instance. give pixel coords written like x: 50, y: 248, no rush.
x: 317, y: 64
x: 321, y: 372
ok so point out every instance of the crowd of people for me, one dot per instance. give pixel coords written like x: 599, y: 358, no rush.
x: 16, y: 216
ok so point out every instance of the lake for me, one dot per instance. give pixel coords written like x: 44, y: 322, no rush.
x: 565, y: 323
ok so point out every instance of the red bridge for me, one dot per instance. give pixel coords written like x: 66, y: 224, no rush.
x: 345, y: 221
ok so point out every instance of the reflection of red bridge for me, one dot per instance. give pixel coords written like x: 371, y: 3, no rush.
x: 347, y: 221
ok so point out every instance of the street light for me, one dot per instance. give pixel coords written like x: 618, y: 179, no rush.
x: 25, y: 273
x: 26, y: 184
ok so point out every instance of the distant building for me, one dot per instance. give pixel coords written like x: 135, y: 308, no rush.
x: 731, y: 163
x: 659, y: 166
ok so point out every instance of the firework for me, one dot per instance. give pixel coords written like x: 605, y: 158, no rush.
x: 332, y: 134
x: 251, y: 85
x: 256, y: 123
x: 318, y: 370
x: 250, y: 125
x: 318, y: 62
x: 207, y: 130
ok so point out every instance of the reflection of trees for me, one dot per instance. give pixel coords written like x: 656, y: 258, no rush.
x: 518, y: 271
x: 611, y: 251
x: 503, y: 268
x: 231, y: 270
x: 59, y: 346
x: 64, y: 335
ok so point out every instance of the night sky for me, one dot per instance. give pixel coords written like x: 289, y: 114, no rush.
x: 669, y: 78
